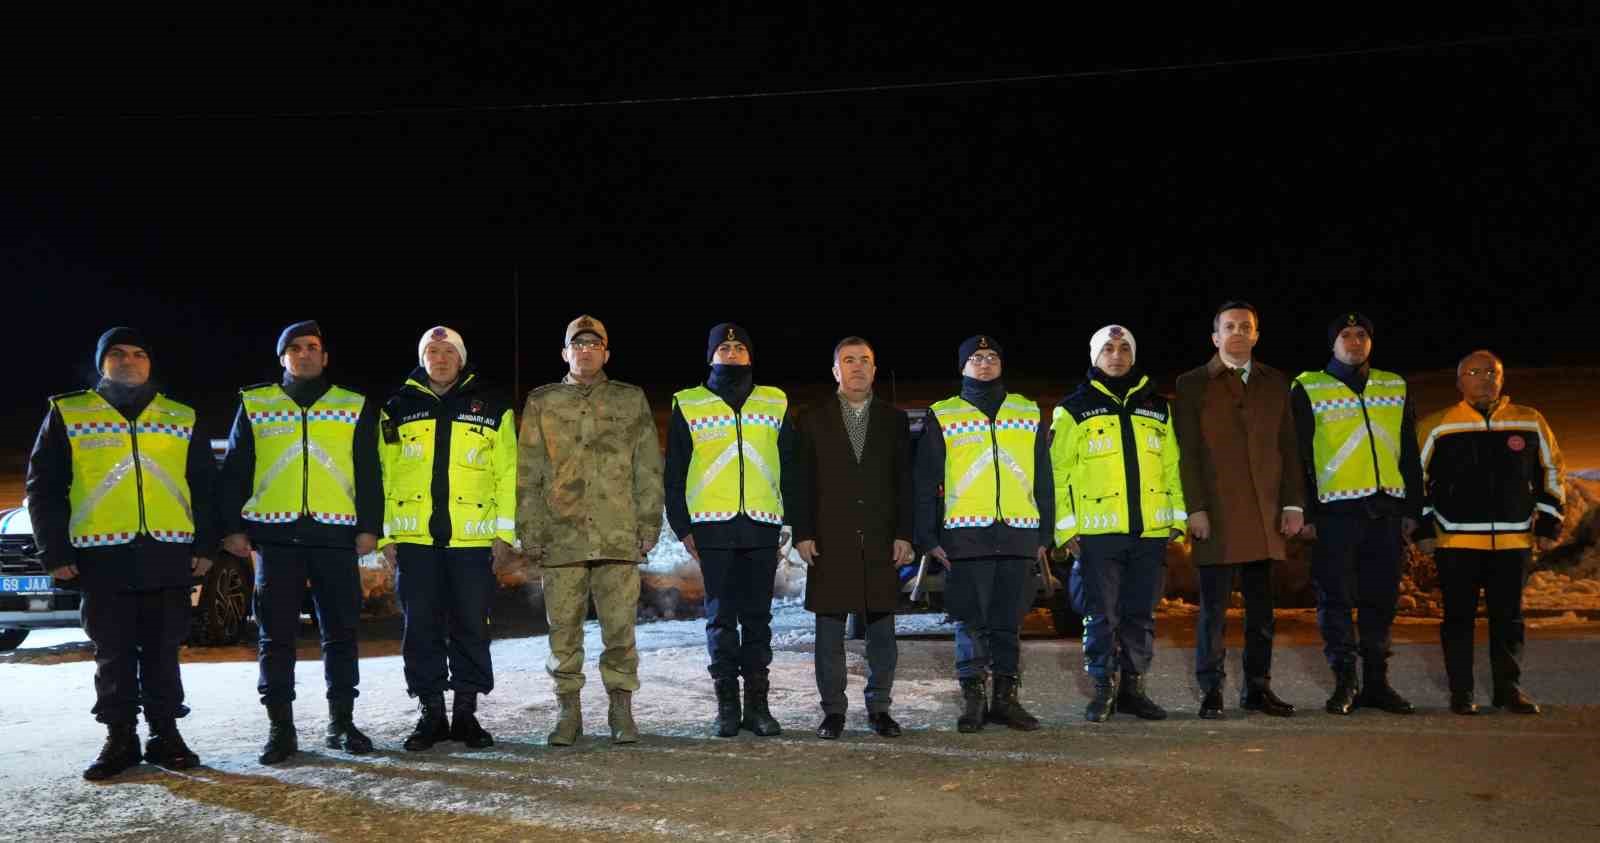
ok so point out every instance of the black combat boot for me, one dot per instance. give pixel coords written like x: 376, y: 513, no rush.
x: 118, y: 753
x: 166, y: 747
x: 1346, y: 691
x: 1132, y: 699
x: 342, y: 732
x: 464, y: 723
x: 1104, y: 702
x: 757, y: 717
x: 1006, y: 709
x: 1376, y: 692
x: 432, y: 726
x: 727, y: 725
x: 973, y: 705
x: 281, y: 739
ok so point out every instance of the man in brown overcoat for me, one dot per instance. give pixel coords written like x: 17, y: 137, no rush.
x: 852, y: 525
x: 1242, y: 484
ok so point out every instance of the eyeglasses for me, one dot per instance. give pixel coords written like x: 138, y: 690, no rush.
x: 587, y: 344
x: 1477, y: 372
x: 984, y: 359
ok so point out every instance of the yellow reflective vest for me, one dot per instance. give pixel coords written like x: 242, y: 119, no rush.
x: 988, y: 465
x: 127, y: 478
x: 481, y: 469
x: 734, y: 468
x: 304, y: 456
x: 1107, y: 449
x: 1356, y: 441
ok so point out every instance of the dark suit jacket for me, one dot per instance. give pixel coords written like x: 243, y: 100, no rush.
x: 1241, y: 459
x: 854, y: 511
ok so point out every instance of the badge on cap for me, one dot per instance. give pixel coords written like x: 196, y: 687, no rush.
x: 1351, y: 321
x: 585, y: 322
x: 731, y: 336
x: 440, y: 334
x: 1116, y: 332
x: 983, y: 342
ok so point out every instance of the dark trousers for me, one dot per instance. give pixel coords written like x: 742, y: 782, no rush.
x: 739, y: 609
x: 1210, y: 654
x: 988, y: 597
x: 280, y: 591
x: 1500, y: 574
x: 136, y: 636
x: 1121, y: 578
x: 444, y: 593
x: 882, y: 655
x: 1355, y: 564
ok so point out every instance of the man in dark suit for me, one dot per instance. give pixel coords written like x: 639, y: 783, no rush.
x: 852, y: 524
x: 1241, y: 482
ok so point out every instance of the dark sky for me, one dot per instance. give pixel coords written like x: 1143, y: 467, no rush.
x: 214, y: 179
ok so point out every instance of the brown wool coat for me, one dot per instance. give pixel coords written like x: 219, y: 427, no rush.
x: 853, y: 511
x: 1240, y: 459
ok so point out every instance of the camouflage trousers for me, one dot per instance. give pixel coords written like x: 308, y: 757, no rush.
x: 615, y: 588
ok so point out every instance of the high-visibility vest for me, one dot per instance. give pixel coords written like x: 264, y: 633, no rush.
x: 481, y: 473
x: 1356, y: 443
x: 988, y: 465
x: 305, y: 462
x: 735, y: 466
x: 127, y: 478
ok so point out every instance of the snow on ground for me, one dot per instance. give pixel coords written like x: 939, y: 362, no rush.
x: 43, y: 748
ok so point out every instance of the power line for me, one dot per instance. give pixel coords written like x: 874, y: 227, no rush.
x: 423, y: 111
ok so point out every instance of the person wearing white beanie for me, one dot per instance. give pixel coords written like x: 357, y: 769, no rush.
x: 441, y: 334
x: 1097, y: 343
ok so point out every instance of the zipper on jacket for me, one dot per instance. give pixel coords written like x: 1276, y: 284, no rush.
x: 994, y: 443
x: 1130, y: 464
x: 738, y: 442
x: 305, y: 463
x: 138, y: 473
x: 1494, y: 534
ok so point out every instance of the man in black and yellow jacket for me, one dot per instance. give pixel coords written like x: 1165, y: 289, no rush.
x: 449, y: 455
x: 1492, y: 475
x: 1119, y: 500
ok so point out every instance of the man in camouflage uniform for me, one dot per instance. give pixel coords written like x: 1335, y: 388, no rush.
x: 589, y: 506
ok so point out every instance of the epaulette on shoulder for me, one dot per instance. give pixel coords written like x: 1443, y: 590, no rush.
x: 549, y: 387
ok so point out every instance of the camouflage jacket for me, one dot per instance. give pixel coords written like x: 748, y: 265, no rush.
x: 588, y: 473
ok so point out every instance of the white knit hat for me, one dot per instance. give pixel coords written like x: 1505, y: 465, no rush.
x: 440, y: 334
x: 1097, y: 343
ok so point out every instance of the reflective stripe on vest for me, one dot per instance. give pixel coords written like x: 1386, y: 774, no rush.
x: 476, y: 465
x: 127, y: 479
x: 1350, y: 429
x: 734, y: 467
x: 988, y: 466
x: 287, y: 485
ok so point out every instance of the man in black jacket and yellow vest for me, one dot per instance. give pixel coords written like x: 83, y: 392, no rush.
x: 301, y: 483
x: 730, y: 467
x: 1358, y: 445
x: 988, y: 450
x: 1492, y: 471
x: 449, y: 455
x: 120, y: 488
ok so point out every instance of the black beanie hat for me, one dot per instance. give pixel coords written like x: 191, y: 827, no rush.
x: 308, y: 328
x: 726, y: 332
x: 1350, y: 319
x: 973, y: 344
x: 120, y: 335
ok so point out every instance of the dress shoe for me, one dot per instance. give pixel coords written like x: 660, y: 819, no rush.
x: 1262, y: 699
x: 1461, y: 703
x: 1514, y: 700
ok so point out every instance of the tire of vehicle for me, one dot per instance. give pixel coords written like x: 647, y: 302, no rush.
x: 221, y: 616
x: 11, y: 639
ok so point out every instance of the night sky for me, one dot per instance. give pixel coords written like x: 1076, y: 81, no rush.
x: 212, y: 180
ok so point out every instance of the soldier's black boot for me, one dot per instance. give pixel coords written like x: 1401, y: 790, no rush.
x: 757, y: 718
x: 1346, y: 691
x: 1131, y: 698
x: 432, y: 726
x: 166, y: 747
x: 973, y: 708
x: 464, y: 725
x: 281, y: 739
x: 118, y: 753
x: 1376, y: 692
x: 342, y: 732
x: 727, y: 707
x: 1006, y: 709
x: 1104, y: 702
